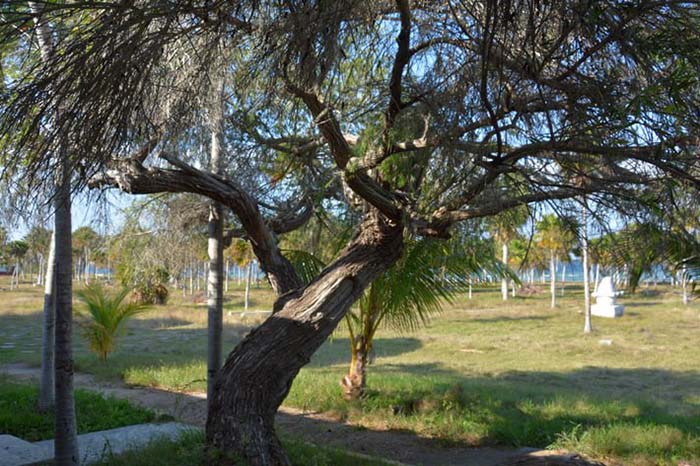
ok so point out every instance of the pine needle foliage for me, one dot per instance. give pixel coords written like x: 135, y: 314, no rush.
x: 106, y: 313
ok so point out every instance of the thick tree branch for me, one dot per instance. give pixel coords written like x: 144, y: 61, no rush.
x: 403, y: 56
x: 132, y: 177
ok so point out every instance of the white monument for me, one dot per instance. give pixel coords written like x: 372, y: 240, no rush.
x: 605, y: 300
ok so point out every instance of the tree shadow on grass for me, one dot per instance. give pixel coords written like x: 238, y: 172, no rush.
x: 337, y: 350
x: 538, y: 408
x: 635, y: 304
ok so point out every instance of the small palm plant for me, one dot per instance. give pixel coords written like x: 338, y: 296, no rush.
x: 108, y: 312
x: 429, y: 274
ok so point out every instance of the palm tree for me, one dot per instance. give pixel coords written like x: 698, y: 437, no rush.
x: 430, y: 273
x: 85, y: 242
x: 108, y: 314
x: 407, y: 295
x: 66, y: 451
x: 16, y: 250
x: 46, y: 381
x: 241, y: 252
x: 587, y: 326
x: 504, y: 229
x: 215, y: 248
x: 556, y: 236
x: 38, y: 240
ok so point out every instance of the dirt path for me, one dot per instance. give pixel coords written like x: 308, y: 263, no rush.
x: 405, y: 448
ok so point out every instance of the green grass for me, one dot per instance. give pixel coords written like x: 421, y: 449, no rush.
x: 482, y: 373
x: 189, y: 451
x: 19, y: 415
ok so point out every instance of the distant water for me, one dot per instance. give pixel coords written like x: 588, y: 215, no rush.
x: 574, y: 273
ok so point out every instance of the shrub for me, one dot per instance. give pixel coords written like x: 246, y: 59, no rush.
x: 107, y: 312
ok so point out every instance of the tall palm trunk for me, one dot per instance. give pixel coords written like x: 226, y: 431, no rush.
x: 247, y: 286
x: 228, y: 269
x: 66, y: 442
x: 87, y: 267
x: 46, y: 381
x: 259, y: 372
x: 216, y: 254
x: 553, y: 278
x: 504, y: 280
x: 66, y: 438
x: 587, y: 326
x: 563, y: 278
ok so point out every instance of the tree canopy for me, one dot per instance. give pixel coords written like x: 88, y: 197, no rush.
x: 409, y: 116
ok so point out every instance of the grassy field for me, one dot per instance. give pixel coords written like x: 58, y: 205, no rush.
x: 19, y: 416
x: 482, y: 373
x: 190, y: 451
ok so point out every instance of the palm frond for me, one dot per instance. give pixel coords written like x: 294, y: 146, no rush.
x: 428, y: 275
x: 107, y: 314
x: 306, y: 264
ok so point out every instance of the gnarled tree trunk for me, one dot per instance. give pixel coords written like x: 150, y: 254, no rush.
x: 259, y: 372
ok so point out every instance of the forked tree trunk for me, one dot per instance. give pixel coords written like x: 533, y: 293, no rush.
x: 259, y: 372
x: 46, y: 380
x: 215, y: 286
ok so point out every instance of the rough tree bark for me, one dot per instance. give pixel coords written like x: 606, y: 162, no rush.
x: 259, y: 372
x: 216, y: 250
x: 46, y: 380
